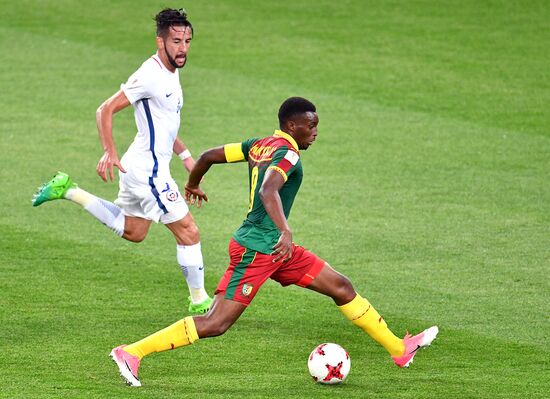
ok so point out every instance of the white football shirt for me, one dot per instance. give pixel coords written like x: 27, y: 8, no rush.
x: 157, y: 98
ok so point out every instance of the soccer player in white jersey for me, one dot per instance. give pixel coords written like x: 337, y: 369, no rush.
x: 147, y: 191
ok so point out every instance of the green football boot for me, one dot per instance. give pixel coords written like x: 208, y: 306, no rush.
x: 200, y: 308
x: 56, y: 188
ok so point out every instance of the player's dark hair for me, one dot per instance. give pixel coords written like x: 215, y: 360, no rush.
x: 294, y: 106
x: 171, y: 17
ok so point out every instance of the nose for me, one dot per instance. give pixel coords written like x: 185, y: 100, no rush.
x: 183, y: 47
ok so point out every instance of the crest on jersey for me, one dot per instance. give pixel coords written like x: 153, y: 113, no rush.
x: 247, y: 289
x: 172, y: 195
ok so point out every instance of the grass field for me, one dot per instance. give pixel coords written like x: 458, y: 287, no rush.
x: 429, y: 186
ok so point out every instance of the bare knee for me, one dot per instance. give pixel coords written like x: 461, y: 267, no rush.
x: 192, y: 232
x: 134, y: 236
x: 135, y: 229
x: 343, y: 291
x: 185, y: 231
x: 333, y: 284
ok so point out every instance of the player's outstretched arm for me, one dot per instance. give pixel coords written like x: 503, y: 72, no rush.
x: 104, y: 120
x: 193, y: 193
x: 269, y: 195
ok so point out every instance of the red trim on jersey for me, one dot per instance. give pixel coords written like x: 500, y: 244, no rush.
x: 285, y: 165
x: 153, y: 57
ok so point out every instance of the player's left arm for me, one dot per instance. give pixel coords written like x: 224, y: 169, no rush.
x: 193, y: 192
x: 269, y: 195
x: 224, y: 154
x: 184, y: 154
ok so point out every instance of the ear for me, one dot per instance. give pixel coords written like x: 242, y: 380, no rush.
x: 160, y: 43
x: 291, y: 126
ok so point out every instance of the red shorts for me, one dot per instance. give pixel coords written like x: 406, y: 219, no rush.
x: 249, y: 269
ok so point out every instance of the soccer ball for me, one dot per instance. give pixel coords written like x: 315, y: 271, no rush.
x: 329, y: 364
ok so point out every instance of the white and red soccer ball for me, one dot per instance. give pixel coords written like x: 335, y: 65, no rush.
x: 329, y: 364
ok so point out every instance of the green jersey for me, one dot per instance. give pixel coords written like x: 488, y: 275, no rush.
x: 280, y: 153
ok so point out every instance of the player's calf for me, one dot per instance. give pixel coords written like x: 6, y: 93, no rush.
x: 333, y: 284
x: 222, y: 315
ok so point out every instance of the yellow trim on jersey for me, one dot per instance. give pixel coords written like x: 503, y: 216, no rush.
x: 233, y: 152
x: 280, y: 133
x: 261, y: 153
x: 250, y: 156
x: 282, y: 172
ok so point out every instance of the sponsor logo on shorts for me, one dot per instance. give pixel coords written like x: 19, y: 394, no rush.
x: 247, y: 289
x: 172, y: 195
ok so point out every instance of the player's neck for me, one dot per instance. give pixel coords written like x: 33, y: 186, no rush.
x: 165, y: 63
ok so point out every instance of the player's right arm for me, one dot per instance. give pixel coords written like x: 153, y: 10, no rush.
x: 283, y: 163
x: 227, y: 153
x: 269, y: 195
x: 104, y: 119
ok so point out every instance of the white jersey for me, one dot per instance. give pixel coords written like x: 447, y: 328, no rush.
x: 157, y: 98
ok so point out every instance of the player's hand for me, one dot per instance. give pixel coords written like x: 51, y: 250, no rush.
x: 194, y: 195
x: 106, y: 164
x: 283, y: 249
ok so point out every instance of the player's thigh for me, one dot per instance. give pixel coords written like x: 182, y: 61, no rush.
x: 333, y: 284
x: 135, y: 228
x: 185, y: 230
x: 222, y: 315
x: 136, y: 198
x: 248, y: 270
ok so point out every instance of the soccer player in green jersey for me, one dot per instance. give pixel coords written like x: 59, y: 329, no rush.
x: 262, y: 248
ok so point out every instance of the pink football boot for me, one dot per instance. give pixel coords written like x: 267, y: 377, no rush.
x: 127, y: 364
x: 413, y: 344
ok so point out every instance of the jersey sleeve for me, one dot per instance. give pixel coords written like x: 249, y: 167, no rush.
x: 140, y: 85
x: 236, y: 152
x: 284, y: 161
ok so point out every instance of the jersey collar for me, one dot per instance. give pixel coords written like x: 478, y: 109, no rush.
x: 161, y: 65
x: 287, y: 137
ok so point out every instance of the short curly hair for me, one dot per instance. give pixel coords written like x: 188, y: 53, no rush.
x: 171, y: 17
x: 294, y: 106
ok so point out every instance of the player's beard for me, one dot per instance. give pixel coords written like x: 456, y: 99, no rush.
x: 172, y: 60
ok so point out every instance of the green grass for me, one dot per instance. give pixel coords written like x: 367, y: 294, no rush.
x: 428, y: 186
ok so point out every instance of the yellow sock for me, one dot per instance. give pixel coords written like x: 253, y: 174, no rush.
x: 362, y: 314
x: 181, y: 333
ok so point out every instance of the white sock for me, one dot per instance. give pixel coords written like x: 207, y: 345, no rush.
x: 106, y: 212
x: 190, y: 261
